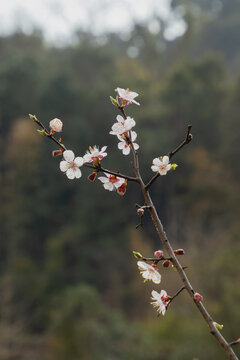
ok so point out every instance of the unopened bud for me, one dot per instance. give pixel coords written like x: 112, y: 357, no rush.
x: 197, y: 297
x: 122, y: 189
x: 32, y: 117
x: 56, y: 125
x: 140, y: 211
x: 92, y: 176
x: 57, y: 152
x: 159, y: 254
x: 137, y: 255
x: 166, y: 263
x: 179, y: 252
x: 218, y: 326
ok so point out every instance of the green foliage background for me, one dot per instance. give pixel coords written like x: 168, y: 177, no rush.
x: 70, y: 288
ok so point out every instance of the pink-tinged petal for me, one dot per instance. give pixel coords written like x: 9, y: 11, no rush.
x: 64, y: 165
x: 68, y: 155
x: 156, y: 295
x: 133, y: 135
x: 77, y: 173
x: 136, y: 146
x: 168, y: 167
x: 70, y: 173
x: 102, y: 155
x: 103, y: 179
x: 119, y: 183
x: 154, y: 168
x: 163, y: 172
x: 87, y: 158
x: 78, y: 161
x: 121, y: 92
x: 156, y: 277
x: 108, y: 186
x: 126, y: 150
x: 163, y: 293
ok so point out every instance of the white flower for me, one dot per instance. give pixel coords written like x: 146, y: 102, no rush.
x: 122, y: 126
x: 124, y: 145
x: 56, y: 125
x: 127, y: 95
x: 160, y: 301
x: 70, y: 165
x: 111, y: 182
x: 149, y: 272
x: 161, y: 165
x: 94, y: 155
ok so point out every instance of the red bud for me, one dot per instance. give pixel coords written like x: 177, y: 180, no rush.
x: 166, y: 263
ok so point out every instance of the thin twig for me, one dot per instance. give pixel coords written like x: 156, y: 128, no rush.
x: 175, y: 295
x: 187, y: 140
x: 157, y: 259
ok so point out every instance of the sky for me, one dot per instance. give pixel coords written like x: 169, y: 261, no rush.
x: 59, y: 19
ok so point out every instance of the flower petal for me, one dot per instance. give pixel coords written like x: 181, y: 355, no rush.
x: 64, y: 165
x: 165, y: 160
x: 154, y: 168
x: 126, y: 150
x: 121, y: 145
x: 136, y: 146
x: 79, y: 161
x: 70, y: 173
x: 157, y: 162
x: 68, y: 155
x: 103, y: 179
x: 156, y: 277
x: 108, y: 186
x: 77, y: 173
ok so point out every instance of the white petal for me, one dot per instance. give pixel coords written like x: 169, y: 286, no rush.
x: 103, y: 148
x: 136, y: 146
x: 126, y: 150
x: 68, y: 155
x: 70, y: 173
x: 163, y: 293
x: 121, y: 145
x: 156, y: 295
x: 103, y: 179
x: 64, y: 165
x: 118, y: 184
x: 121, y: 92
x: 146, y: 275
x: 142, y: 265
x: 120, y: 118
x: 168, y: 167
x: 154, y: 168
x: 78, y: 161
x: 77, y: 173
x: 87, y: 158
x: 157, y: 162
x: 156, y: 277
x: 109, y: 186
x: 165, y: 160
x: 163, y: 172
x: 133, y: 135
x: 135, y: 102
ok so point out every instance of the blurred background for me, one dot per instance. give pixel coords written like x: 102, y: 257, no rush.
x: 70, y: 288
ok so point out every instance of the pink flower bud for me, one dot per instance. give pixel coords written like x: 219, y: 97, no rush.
x: 166, y: 263
x: 140, y: 211
x: 197, y: 297
x: 56, y: 125
x: 159, y: 254
x: 122, y: 189
x: 92, y: 176
x: 179, y: 252
x: 57, y: 152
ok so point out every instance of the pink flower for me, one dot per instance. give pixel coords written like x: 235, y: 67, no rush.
x: 122, y: 126
x: 127, y: 96
x: 70, y: 165
x: 197, y: 297
x: 56, y: 125
x: 161, y: 165
x: 124, y: 144
x: 160, y: 301
x: 94, y: 155
x: 111, y: 182
x: 149, y: 272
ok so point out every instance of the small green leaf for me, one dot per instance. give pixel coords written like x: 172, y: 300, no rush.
x: 42, y: 132
x: 218, y: 326
x: 174, y: 166
x: 114, y: 101
x: 137, y: 255
x: 32, y: 117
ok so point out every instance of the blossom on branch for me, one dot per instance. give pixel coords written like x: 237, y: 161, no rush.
x: 70, y: 165
x: 56, y: 125
x: 160, y: 301
x: 122, y: 126
x: 161, y: 165
x: 94, y: 154
x: 127, y: 96
x: 125, y: 143
x: 149, y: 272
x: 111, y: 182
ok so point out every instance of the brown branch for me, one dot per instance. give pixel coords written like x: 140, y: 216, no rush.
x: 187, y: 140
x: 236, y: 342
x: 129, y: 178
x: 175, y: 295
x: 157, y: 259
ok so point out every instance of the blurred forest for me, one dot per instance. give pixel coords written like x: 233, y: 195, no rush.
x: 70, y: 288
